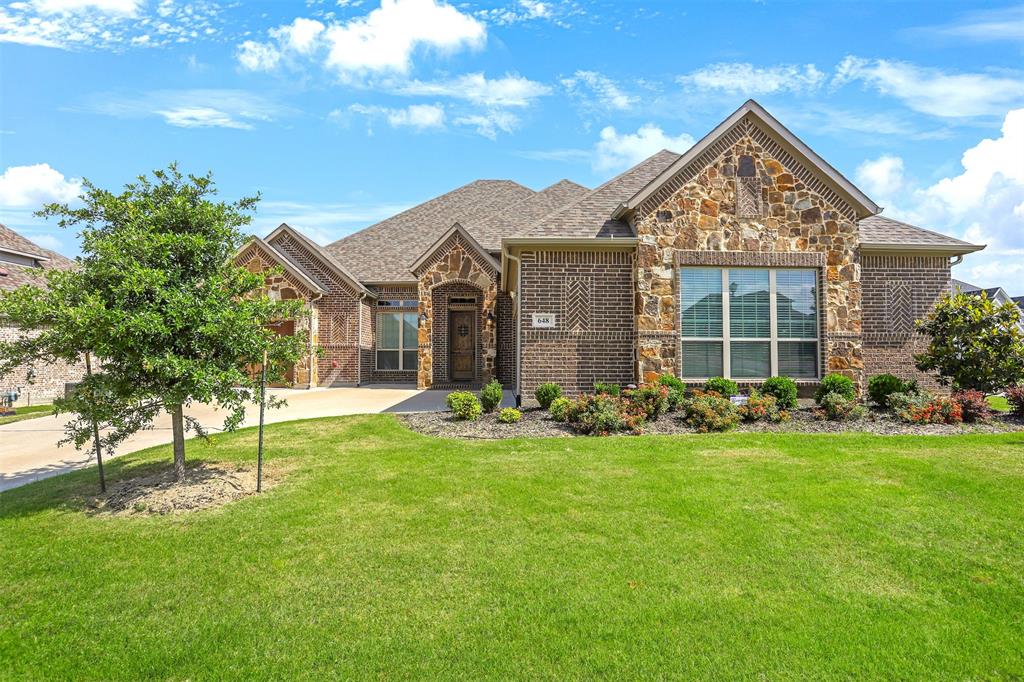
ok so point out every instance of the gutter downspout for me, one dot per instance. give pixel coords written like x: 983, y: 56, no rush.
x: 517, y: 314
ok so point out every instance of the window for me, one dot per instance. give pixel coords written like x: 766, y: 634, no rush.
x: 394, y: 303
x: 397, y: 341
x: 748, y: 323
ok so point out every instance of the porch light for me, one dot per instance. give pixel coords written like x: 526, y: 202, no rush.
x: 423, y: 318
x: 490, y: 316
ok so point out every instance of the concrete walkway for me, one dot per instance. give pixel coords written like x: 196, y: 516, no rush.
x: 29, y: 452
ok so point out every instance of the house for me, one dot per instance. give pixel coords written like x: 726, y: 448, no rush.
x: 25, y: 262
x: 746, y: 256
x: 996, y: 294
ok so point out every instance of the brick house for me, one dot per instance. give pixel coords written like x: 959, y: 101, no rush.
x: 25, y: 262
x: 747, y: 256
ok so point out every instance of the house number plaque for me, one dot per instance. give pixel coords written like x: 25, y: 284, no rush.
x: 544, y: 320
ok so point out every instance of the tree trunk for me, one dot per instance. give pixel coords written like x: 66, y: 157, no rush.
x: 178, y: 430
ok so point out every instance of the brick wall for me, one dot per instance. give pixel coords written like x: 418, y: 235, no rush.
x: 591, y: 295
x: 506, y: 340
x: 897, y: 290
x: 48, y: 379
x: 370, y: 373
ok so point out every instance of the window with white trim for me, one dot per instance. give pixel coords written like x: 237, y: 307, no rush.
x: 748, y: 323
x: 397, y: 340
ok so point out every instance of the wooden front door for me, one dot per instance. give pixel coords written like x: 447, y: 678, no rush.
x: 461, y: 344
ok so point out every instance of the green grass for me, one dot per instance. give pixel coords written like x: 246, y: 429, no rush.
x: 30, y: 412
x: 998, y: 402
x: 386, y: 554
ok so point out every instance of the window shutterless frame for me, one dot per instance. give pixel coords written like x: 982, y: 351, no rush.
x: 400, y: 349
x: 797, y: 360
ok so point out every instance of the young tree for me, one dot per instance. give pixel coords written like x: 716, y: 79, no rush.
x: 975, y: 344
x: 158, y: 302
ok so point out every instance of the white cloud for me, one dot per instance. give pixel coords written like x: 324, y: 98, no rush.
x: 535, y: 10
x: 510, y: 91
x: 35, y: 185
x: 932, y: 91
x: 597, y: 90
x: 301, y: 35
x: 743, y: 78
x: 70, y: 6
x: 615, y: 151
x: 490, y: 123
x: 236, y: 109
x: 416, y: 116
x: 881, y: 177
x: 984, y: 26
x: 258, y: 56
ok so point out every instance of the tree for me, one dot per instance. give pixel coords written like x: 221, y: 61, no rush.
x: 975, y: 344
x: 158, y: 301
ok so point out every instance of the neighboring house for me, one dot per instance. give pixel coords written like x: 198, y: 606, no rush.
x: 1019, y: 300
x: 24, y: 262
x: 996, y: 294
x: 747, y: 256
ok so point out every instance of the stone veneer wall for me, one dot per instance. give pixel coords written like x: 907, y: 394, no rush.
x: 697, y: 212
x: 898, y: 290
x: 591, y: 295
x: 47, y: 379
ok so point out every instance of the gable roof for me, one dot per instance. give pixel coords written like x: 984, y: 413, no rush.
x: 455, y: 229
x: 518, y: 218
x: 286, y: 263
x: 753, y: 113
x: 591, y: 215
x: 14, y: 275
x: 1019, y: 300
x: 320, y: 252
x: 384, y: 251
x: 878, y: 233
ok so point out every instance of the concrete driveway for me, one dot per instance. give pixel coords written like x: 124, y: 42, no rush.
x: 28, y: 449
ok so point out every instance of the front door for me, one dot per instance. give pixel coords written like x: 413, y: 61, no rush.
x: 461, y: 344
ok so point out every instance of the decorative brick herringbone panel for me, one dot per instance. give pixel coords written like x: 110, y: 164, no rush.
x: 748, y: 198
x: 899, y: 303
x: 578, y: 303
x: 343, y: 329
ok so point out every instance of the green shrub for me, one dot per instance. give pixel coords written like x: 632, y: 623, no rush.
x: 545, y: 393
x: 838, y: 407
x: 881, y: 386
x: 490, y: 396
x: 706, y: 412
x: 836, y: 383
x: 509, y: 415
x: 924, y: 408
x: 676, y: 391
x: 783, y: 389
x: 560, y: 408
x: 973, y: 406
x: 607, y: 389
x: 723, y: 387
x: 647, y: 401
x: 1015, y: 396
x: 601, y: 415
x: 762, y: 407
x: 464, y: 405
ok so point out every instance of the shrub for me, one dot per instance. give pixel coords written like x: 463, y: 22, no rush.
x: 490, y: 396
x: 545, y: 393
x: 973, y: 406
x: 647, y: 401
x: 881, y: 386
x: 838, y: 407
x: 723, y: 387
x: 676, y: 391
x: 601, y: 414
x: 923, y: 408
x: 762, y: 407
x: 783, y: 389
x: 836, y: 383
x: 607, y: 389
x: 706, y: 412
x: 560, y: 408
x: 509, y: 415
x: 1015, y: 396
x: 464, y: 405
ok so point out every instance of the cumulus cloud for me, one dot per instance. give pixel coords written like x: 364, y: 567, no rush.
x: 881, y: 177
x: 747, y: 79
x: 32, y: 186
x: 932, y: 91
x: 617, y: 151
x: 595, y: 90
x: 511, y: 90
x: 257, y: 56
x: 416, y: 116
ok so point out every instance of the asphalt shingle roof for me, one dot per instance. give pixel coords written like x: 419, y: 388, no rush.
x: 881, y: 230
x: 590, y: 215
x: 517, y: 219
x: 13, y: 275
x: 384, y: 251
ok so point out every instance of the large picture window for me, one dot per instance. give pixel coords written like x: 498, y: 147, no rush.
x: 748, y: 323
x: 397, y: 340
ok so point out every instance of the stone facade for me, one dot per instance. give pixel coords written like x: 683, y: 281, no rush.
x: 899, y: 290
x: 786, y: 210
x: 591, y: 295
x: 456, y: 261
x: 41, y: 382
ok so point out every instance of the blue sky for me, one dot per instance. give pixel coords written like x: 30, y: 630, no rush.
x: 342, y: 113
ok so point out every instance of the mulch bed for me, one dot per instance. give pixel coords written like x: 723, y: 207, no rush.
x: 537, y: 423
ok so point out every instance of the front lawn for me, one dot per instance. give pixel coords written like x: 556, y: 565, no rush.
x: 386, y: 554
x: 23, y: 413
